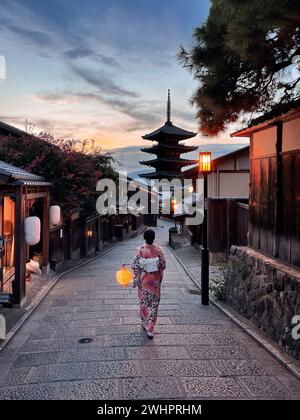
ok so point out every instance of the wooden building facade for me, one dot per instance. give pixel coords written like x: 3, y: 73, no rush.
x: 78, y: 237
x: 228, y: 196
x: 274, y: 211
x: 22, y: 195
x: 264, y: 280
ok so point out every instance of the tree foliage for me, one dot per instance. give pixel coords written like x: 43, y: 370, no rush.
x: 73, y: 171
x: 242, y: 57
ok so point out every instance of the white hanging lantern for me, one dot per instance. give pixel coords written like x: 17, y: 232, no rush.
x: 55, y: 215
x: 32, y: 230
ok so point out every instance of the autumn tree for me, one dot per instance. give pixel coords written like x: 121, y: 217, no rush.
x: 242, y: 57
x: 73, y: 173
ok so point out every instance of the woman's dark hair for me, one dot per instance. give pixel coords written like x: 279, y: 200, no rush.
x: 149, y: 236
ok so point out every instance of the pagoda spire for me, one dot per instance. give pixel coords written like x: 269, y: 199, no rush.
x: 168, y: 149
x: 169, y: 108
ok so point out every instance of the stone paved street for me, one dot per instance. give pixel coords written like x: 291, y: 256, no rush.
x: 197, y: 352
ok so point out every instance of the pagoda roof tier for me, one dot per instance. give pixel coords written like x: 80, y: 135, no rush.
x: 176, y: 147
x: 168, y: 150
x: 170, y: 131
x: 177, y: 162
x: 162, y: 174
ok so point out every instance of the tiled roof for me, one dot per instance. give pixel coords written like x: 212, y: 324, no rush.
x: 18, y: 174
x: 278, y: 110
x: 277, y: 113
x: 219, y: 158
x: 170, y: 130
x: 9, y: 129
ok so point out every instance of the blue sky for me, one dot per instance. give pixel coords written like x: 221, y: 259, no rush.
x: 98, y: 69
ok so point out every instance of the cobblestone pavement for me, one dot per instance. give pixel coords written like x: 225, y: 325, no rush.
x: 191, y: 257
x: 197, y: 352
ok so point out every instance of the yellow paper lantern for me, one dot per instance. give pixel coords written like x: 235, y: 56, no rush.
x: 124, y: 277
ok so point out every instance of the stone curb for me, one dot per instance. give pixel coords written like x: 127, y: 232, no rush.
x: 250, y: 330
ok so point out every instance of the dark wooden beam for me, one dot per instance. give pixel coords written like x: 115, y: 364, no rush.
x: 46, y: 224
x: 278, y: 190
x: 20, y: 274
x: 251, y: 155
x: 232, y: 171
x: 34, y: 196
x: 1, y: 233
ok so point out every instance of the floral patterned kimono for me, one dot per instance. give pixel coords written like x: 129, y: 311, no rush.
x: 148, y: 284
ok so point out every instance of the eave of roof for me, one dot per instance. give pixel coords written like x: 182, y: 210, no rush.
x: 15, y: 174
x: 281, y: 113
x: 226, y: 155
x: 178, y: 147
x: 32, y: 183
x: 162, y: 174
x: 184, y: 162
x: 170, y: 130
x: 234, y: 152
x: 9, y: 129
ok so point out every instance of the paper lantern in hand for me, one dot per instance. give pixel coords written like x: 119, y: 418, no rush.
x: 124, y: 276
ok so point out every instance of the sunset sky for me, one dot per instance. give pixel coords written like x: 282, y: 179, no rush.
x: 98, y: 69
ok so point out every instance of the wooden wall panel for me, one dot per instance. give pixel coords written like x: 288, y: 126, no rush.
x: 242, y: 224
x: 56, y: 246
x: 91, y: 234
x: 263, y: 204
x: 286, y: 205
x: 77, y: 235
x: 295, y: 216
x: 217, y: 225
x: 271, y: 204
x: 254, y: 208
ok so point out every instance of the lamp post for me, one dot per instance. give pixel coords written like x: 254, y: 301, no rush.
x: 205, y: 170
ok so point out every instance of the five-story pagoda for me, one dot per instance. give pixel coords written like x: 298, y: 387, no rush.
x: 168, y: 163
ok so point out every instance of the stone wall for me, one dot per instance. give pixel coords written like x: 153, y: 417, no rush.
x: 267, y: 292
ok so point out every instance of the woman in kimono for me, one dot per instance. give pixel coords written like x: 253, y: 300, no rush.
x: 149, y: 283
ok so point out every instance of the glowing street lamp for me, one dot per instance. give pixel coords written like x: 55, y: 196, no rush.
x: 174, y: 205
x: 205, y: 168
x: 191, y: 189
x: 205, y: 162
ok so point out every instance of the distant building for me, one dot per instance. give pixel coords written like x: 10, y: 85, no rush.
x: 228, y: 195
x: 230, y: 177
x: 274, y: 187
